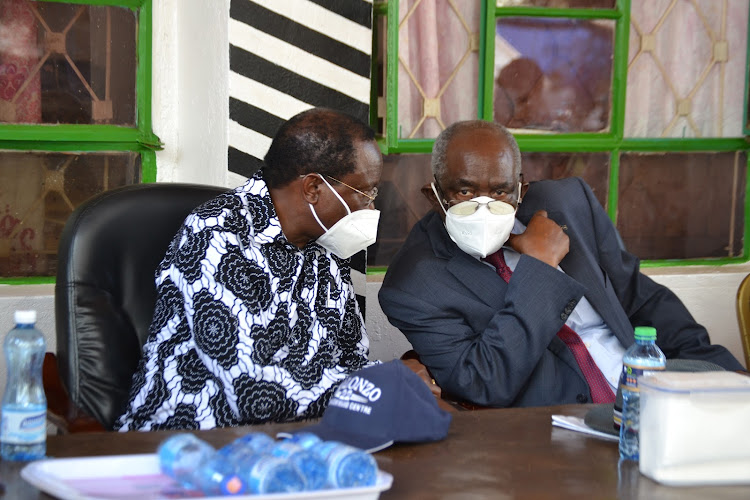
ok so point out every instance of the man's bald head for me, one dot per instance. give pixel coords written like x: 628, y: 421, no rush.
x: 469, y: 127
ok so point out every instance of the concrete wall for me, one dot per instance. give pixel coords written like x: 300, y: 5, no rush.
x: 190, y: 101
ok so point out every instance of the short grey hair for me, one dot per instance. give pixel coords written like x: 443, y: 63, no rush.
x: 440, y: 148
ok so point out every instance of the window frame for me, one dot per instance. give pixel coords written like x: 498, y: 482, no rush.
x: 98, y: 138
x: 611, y: 141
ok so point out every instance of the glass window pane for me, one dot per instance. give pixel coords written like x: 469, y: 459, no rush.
x: 682, y: 206
x: 38, y: 191
x: 400, y: 202
x: 591, y: 167
x: 67, y: 63
x: 560, y: 4
x: 553, y: 74
x: 687, y: 66
x: 438, y: 65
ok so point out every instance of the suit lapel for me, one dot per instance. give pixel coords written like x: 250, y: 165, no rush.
x: 479, y: 278
x: 582, y: 266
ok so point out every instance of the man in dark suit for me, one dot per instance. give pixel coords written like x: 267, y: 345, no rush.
x: 498, y: 343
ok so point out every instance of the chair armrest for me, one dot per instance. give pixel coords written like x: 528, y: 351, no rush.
x: 61, y: 411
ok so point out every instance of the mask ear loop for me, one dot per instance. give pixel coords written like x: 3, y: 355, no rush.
x: 437, y: 197
x: 316, y: 217
x: 348, y: 211
x: 520, y: 198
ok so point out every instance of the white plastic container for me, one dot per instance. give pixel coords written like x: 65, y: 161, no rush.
x: 694, y: 428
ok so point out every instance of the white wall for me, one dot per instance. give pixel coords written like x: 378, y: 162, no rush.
x: 190, y: 101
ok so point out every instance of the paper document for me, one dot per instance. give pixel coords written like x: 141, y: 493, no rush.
x: 577, y: 424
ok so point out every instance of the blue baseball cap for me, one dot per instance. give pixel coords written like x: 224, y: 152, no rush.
x: 379, y: 405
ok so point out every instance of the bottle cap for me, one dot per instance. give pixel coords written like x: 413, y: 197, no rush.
x: 645, y: 333
x: 25, y: 317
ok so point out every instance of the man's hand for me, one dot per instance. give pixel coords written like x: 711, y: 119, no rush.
x: 411, y: 360
x: 543, y: 239
x: 421, y: 370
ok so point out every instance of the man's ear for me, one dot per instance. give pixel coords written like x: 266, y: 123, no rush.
x: 311, y: 188
x: 524, y: 188
x: 428, y: 193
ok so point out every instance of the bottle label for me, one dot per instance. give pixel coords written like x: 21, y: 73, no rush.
x: 23, y: 427
x: 631, y: 374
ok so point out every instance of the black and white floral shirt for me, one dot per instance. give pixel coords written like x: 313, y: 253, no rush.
x: 247, y: 328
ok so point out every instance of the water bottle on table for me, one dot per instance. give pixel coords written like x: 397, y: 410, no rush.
x: 181, y: 455
x: 304, y: 439
x: 264, y: 473
x: 255, y: 442
x: 312, y: 467
x: 641, y: 358
x: 348, y: 467
x: 23, y: 431
x: 217, y: 476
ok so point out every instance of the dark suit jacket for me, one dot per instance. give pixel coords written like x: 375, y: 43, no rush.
x: 495, y: 344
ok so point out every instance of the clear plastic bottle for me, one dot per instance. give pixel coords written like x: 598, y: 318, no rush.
x: 181, y: 455
x: 255, y: 442
x: 641, y: 358
x: 23, y: 431
x: 348, y: 467
x: 312, y: 467
x: 217, y: 476
x: 304, y: 439
x: 264, y: 473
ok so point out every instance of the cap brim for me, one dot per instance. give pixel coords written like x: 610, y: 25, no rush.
x: 600, y: 419
x: 367, y: 443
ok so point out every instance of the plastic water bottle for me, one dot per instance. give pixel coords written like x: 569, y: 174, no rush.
x: 304, y: 439
x: 181, y: 455
x: 264, y: 473
x: 255, y: 442
x: 217, y: 476
x: 312, y: 467
x: 23, y: 431
x: 641, y: 358
x: 348, y: 467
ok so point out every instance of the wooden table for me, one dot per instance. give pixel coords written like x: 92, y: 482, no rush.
x: 502, y: 453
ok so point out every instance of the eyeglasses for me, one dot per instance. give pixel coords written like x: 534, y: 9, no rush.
x: 469, y: 207
x: 373, y: 194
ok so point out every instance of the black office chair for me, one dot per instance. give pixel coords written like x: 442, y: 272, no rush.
x: 104, y: 297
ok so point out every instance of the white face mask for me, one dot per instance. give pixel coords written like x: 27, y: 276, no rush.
x: 354, y: 232
x: 484, y: 229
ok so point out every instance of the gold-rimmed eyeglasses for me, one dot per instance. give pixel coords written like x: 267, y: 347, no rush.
x: 371, y: 196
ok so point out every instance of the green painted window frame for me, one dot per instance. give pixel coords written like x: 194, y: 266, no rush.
x: 612, y: 141
x: 92, y: 138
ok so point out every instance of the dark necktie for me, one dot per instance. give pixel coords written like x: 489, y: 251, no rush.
x: 600, y: 391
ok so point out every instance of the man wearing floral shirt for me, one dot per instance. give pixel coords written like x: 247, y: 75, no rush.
x: 256, y: 318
